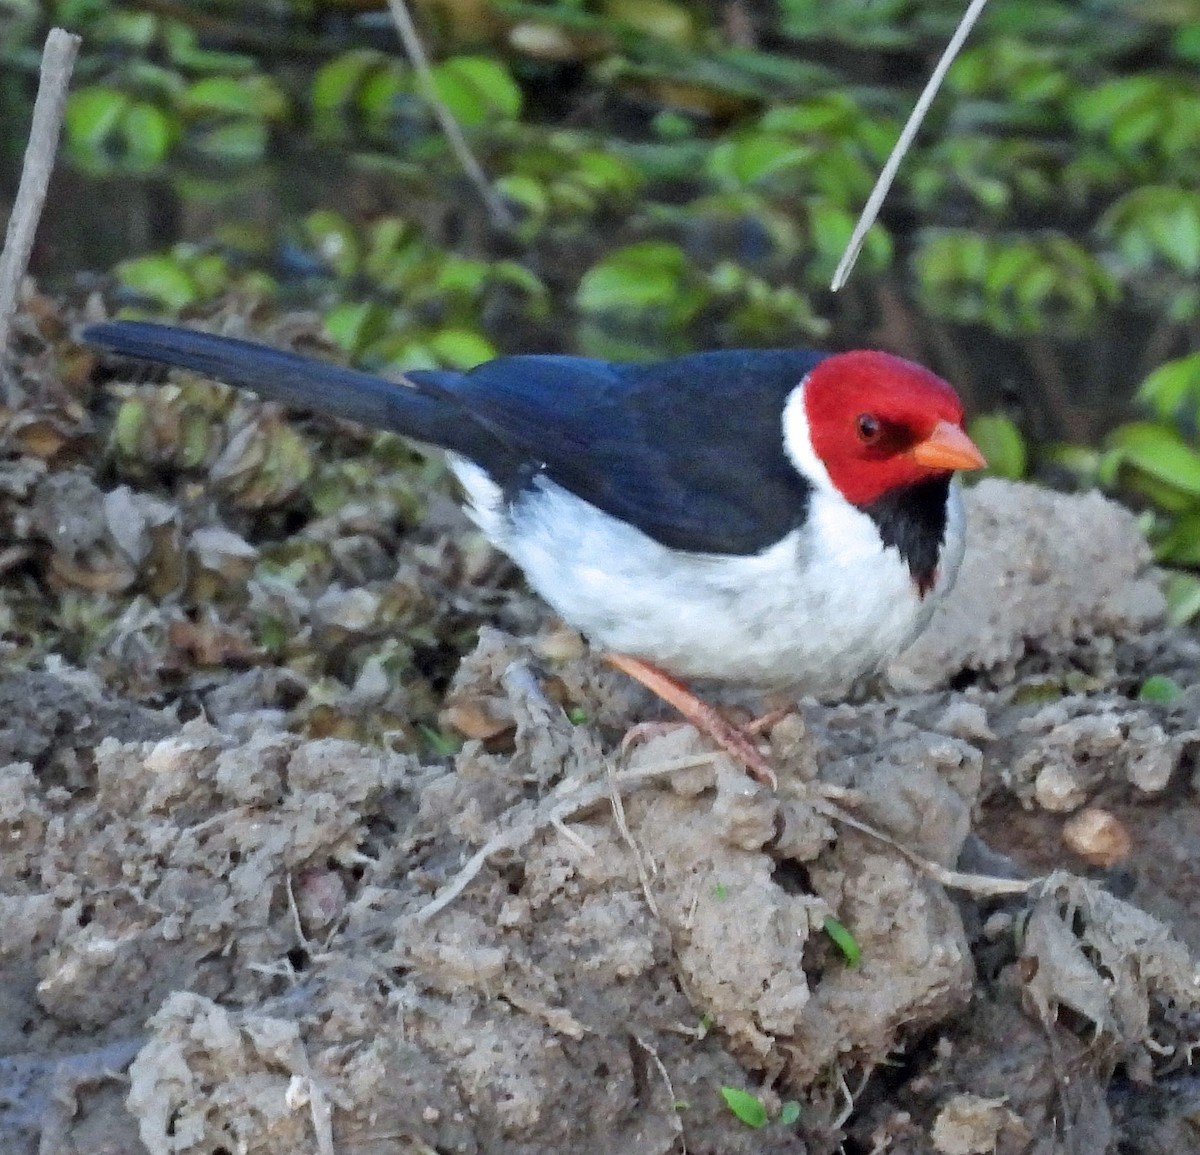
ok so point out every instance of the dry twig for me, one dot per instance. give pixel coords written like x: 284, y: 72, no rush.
x: 567, y: 800
x: 415, y: 51
x: 661, y: 1067
x: 58, y: 61
x: 884, y: 183
x: 618, y: 809
x: 981, y: 885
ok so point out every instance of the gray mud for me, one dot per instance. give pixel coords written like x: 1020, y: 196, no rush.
x: 220, y: 935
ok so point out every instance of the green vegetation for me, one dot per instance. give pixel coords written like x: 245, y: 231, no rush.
x: 681, y: 175
x: 1159, y: 688
x: 747, y: 1107
x: 843, y: 940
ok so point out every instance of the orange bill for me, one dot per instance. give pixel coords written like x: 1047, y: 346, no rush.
x: 947, y: 447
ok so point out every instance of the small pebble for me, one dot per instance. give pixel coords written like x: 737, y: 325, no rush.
x: 965, y: 720
x: 1098, y: 837
x: 1058, y: 790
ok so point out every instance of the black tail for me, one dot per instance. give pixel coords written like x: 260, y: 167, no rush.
x: 301, y: 381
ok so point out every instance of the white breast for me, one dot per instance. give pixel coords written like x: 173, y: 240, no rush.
x: 813, y: 612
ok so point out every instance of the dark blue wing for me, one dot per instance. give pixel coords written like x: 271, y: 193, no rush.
x: 689, y: 450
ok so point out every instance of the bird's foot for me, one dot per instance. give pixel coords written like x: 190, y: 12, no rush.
x: 641, y: 732
x: 737, y: 743
x: 768, y: 721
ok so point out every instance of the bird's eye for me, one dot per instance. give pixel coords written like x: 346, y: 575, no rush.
x: 870, y: 428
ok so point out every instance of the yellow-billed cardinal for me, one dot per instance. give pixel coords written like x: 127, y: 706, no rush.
x: 782, y: 518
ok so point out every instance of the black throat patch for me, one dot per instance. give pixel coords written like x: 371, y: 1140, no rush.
x: 913, y: 519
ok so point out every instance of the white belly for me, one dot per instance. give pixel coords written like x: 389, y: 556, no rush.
x: 818, y: 609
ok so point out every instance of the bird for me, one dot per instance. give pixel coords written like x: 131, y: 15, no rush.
x: 786, y: 519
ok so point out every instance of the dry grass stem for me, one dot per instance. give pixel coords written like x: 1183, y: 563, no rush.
x: 415, y: 51
x: 907, y: 134
x: 58, y: 61
x: 980, y: 885
x: 568, y: 800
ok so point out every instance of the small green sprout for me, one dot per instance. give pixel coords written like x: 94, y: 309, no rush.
x: 843, y: 940
x: 577, y: 715
x: 439, y: 743
x: 788, y: 1113
x: 1160, y: 689
x: 748, y: 1108
x: 720, y: 892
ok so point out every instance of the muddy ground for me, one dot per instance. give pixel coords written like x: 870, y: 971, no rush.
x: 317, y: 833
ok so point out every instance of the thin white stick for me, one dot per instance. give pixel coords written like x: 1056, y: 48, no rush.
x: 981, y: 885
x: 58, y: 61
x: 415, y: 51
x: 884, y: 183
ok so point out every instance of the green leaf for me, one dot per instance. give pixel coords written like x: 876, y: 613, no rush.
x: 747, y: 1107
x: 92, y: 115
x: 257, y: 97
x: 1012, y: 265
x: 528, y: 194
x: 1135, y: 126
x: 789, y: 1112
x: 1160, y: 689
x: 210, y: 272
x: 755, y: 157
x: 1186, y: 42
x: 1158, y: 452
x: 381, y: 92
x: 129, y: 426
x: 1156, y: 225
x: 440, y: 744
x: 147, y: 134
x: 602, y: 172
x: 160, y: 278
x: 477, y: 89
x: 1183, y: 598
x: 185, y: 53
x: 831, y: 227
x: 336, y: 85
x: 843, y: 940
x: 1180, y: 545
x: 658, y: 18
x: 136, y: 29
x: 396, y: 252
x: 461, y: 275
x: 237, y: 141
x: 1000, y: 441
x: 353, y: 325
x: 1173, y: 388
x: 402, y: 352
x: 1099, y: 108
x: 1081, y: 461
x: 461, y: 348
x: 641, y: 276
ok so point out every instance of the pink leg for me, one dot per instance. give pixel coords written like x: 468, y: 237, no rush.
x: 706, y: 718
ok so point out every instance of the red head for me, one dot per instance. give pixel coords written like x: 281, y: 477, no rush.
x: 878, y: 422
